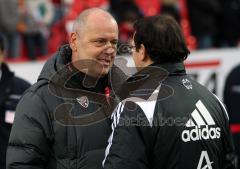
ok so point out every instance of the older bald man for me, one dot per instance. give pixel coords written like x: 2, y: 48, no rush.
x: 63, y: 122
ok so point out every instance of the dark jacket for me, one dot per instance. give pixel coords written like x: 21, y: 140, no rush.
x: 231, y: 99
x: 169, y: 121
x: 62, y: 122
x: 11, y: 89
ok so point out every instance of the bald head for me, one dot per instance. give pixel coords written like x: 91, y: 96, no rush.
x: 95, y: 37
x: 92, y: 15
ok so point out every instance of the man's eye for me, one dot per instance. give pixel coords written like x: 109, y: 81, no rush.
x: 114, y: 42
x: 100, y: 42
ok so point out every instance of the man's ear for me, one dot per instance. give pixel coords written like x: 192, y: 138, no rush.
x: 73, y: 41
x: 144, y: 56
x: 142, y: 51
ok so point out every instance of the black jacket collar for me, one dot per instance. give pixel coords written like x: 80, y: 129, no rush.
x: 6, y: 74
x: 144, y: 82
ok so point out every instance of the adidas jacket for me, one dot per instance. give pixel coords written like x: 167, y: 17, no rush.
x: 166, y: 120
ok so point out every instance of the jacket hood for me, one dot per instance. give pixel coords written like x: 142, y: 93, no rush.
x: 5, y: 73
x: 56, y: 63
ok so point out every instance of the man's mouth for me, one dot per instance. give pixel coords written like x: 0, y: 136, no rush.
x: 105, y: 62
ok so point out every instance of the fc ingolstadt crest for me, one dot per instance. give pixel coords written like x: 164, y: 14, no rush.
x: 83, y: 101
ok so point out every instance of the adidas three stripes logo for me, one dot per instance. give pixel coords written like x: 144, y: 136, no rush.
x: 201, y: 125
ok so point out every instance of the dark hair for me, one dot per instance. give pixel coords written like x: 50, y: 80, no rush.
x: 162, y: 37
x: 1, y: 43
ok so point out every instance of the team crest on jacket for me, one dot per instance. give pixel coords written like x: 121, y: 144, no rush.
x: 83, y: 101
x: 187, y: 83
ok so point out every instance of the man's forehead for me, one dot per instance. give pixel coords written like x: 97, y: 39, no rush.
x: 99, y: 15
x: 105, y: 30
x: 103, y: 35
x: 99, y: 25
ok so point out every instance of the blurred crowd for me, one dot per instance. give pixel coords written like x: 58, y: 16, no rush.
x: 35, y: 28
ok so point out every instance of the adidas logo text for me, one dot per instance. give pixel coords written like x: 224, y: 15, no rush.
x: 204, y: 129
x: 204, y: 133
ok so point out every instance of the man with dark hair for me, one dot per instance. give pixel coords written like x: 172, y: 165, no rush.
x: 11, y: 89
x: 63, y: 120
x: 166, y: 119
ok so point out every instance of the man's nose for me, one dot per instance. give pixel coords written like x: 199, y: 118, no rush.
x: 110, y: 49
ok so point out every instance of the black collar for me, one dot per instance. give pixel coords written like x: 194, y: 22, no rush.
x: 5, y: 73
x: 81, y: 80
x: 145, y: 81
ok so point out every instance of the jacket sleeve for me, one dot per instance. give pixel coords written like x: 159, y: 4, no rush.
x: 126, y: 148
x: 230, y: 161
x: 30, y: 135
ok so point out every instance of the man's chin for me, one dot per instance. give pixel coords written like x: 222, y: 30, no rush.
x: 99, y: 72
x: 105, y: 71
